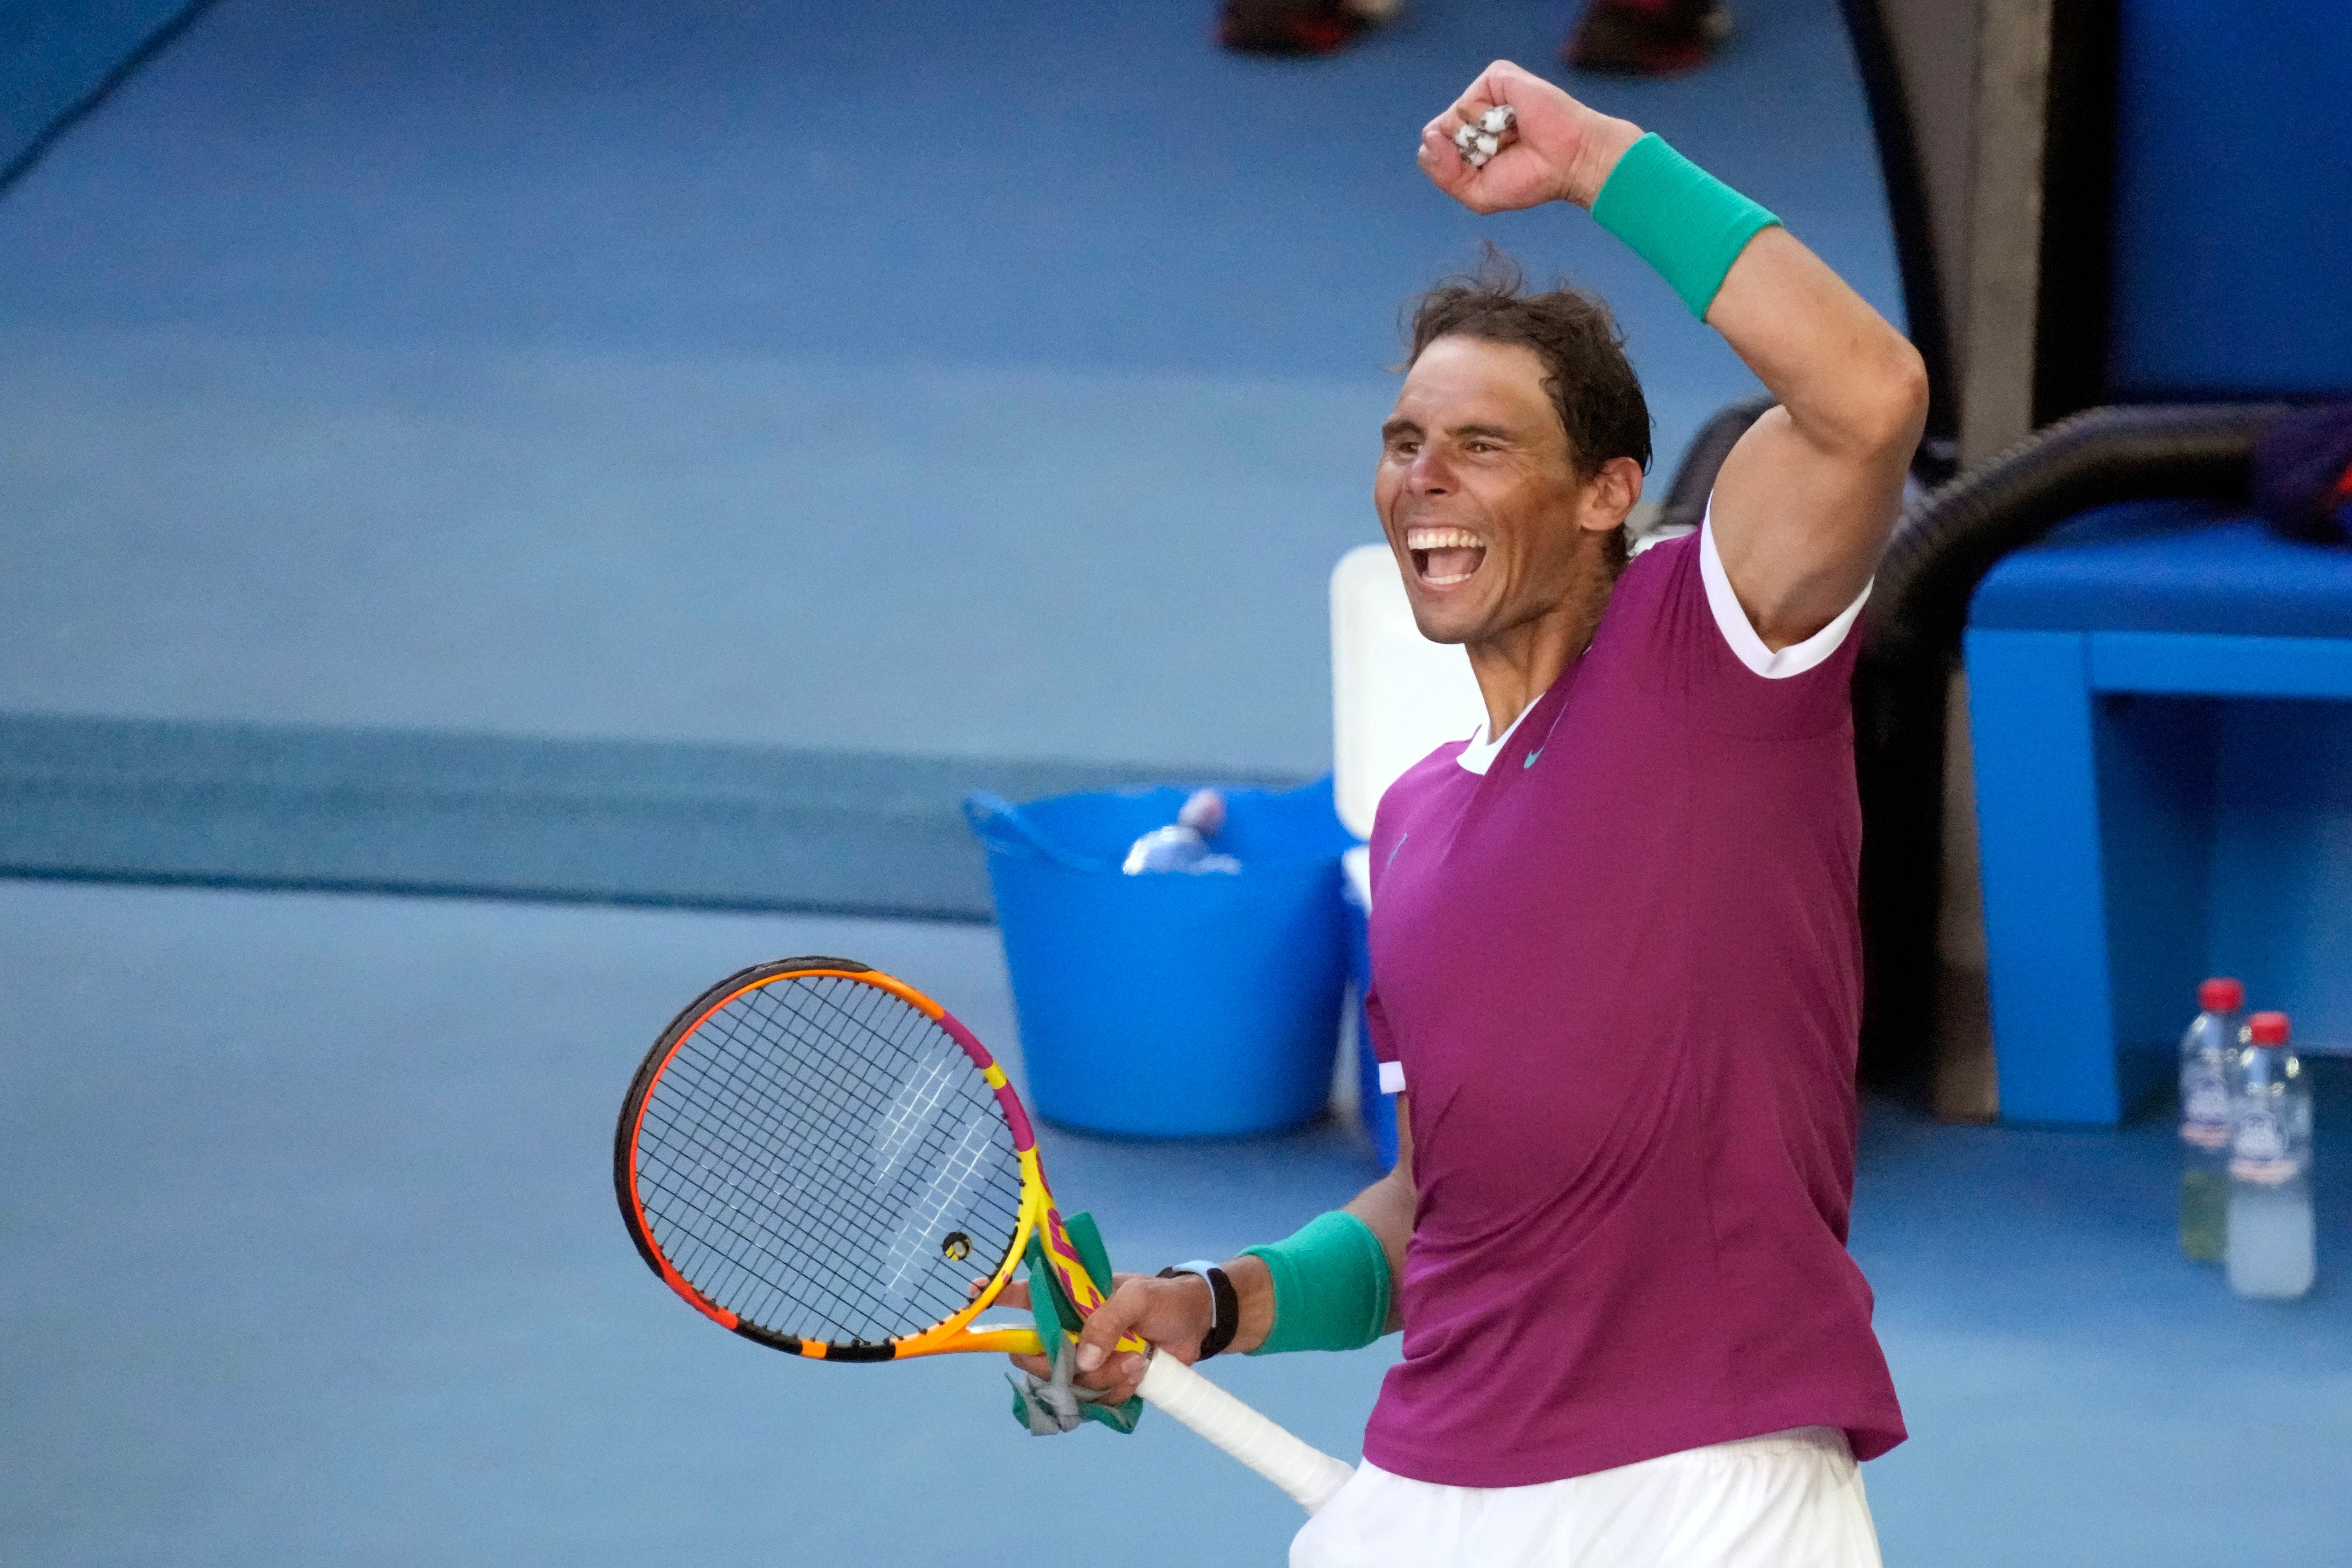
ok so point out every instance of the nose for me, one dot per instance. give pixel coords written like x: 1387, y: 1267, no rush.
x: 1429, y: 475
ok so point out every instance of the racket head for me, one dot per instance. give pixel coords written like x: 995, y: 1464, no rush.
x: 819, y: 1157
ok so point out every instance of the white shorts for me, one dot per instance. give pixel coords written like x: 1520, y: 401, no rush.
x: 1788, y: 1499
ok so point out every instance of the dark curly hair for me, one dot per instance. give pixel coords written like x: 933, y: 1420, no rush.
x: 1592, y: 384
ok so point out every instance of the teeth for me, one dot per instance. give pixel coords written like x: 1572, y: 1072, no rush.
x: 1441, y: 539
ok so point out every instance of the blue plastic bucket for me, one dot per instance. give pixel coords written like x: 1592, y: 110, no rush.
x: 1171, y: 1005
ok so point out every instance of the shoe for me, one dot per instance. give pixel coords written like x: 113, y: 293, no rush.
x: 1646, y: 38
x: 1294, y: 26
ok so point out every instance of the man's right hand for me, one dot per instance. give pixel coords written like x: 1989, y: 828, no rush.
x: 1172, y: 1315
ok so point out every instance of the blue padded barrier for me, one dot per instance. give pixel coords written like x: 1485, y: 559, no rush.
x: 2170, y: 567
x: 2185, y: 665
x: 1912, y: 629
x: 2157, y: 797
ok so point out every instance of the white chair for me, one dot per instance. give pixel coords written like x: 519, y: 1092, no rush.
x: 1395, y: 695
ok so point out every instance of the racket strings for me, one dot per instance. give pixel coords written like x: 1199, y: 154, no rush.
x: 722, y: 1144
x: 753, y: 1078
x: 738, y: 1079
x: 984, y: 1148
x: 973, y: 1182
x: 809, y: 1149
x: 729, y: 1254
x: 743, y: 1084
x: 744, y: 1139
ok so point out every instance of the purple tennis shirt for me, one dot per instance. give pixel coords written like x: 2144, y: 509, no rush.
x: 1620, y: 973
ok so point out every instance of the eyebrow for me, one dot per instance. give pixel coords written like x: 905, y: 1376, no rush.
x: 1396, y: 427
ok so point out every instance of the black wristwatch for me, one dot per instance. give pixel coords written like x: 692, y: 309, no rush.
x: 1224, y: 1307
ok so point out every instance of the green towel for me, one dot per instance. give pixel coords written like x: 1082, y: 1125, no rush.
x: 1046, y: 1406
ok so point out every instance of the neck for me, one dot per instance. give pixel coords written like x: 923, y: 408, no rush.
x: 1519, y: 664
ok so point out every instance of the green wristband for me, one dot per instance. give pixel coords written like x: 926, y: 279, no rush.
x: 1677, y: 217
x: 1330, y: 1286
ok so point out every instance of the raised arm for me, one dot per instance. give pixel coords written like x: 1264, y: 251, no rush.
x: 1807, y: 499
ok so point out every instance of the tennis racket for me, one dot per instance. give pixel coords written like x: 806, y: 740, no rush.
x: 821, y: 1158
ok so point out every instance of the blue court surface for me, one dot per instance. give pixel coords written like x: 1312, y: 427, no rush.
x: 799, y: 403
x: 910, y: 379
x: 312, y: 1257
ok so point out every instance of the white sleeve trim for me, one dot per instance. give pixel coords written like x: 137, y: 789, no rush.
x: 1392, y: 1078
x: 1733, y: 623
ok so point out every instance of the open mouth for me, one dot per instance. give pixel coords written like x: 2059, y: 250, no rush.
x: 1444, y: 556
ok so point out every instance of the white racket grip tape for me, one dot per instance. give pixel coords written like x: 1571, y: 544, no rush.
x: 1310, y: 1476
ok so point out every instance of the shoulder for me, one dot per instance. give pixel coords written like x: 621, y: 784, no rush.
x: 1662, y: 577
x: 1678, y: 591
x: 1677, y: 639
x: 1655, y: 568
x: 1418, y: 783
x: 1651, y: 603
x: 1739, y: 633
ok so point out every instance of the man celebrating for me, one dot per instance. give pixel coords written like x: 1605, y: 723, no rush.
x: 1615, y: 942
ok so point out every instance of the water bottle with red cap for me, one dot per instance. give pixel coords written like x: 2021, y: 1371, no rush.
x: 2206, y: 1053
x: 2270, y: 1248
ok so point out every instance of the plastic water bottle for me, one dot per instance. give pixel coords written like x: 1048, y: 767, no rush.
x: 2205, y: 1058
x: 2270, y: 1232
x: 1185, y: 847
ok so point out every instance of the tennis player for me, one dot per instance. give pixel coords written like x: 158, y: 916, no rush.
x: 1614, y: 934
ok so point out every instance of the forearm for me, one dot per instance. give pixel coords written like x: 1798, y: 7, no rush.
x: 1180, y: 1312
x: 1385, y: 1207
x: 1847, y: 380
x: 1846, y: 377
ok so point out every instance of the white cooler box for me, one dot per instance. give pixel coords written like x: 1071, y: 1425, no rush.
x: 1395, y: 696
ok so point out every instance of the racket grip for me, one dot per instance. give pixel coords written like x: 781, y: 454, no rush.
x: 1310, y: 1476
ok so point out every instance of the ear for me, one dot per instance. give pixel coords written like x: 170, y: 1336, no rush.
x: 1609, y: 494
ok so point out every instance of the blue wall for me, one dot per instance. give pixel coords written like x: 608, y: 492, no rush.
x: 2282, y: 861
x: 2234, y: 216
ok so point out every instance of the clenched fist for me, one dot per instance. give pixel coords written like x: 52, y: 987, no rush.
x: 1562, y: 150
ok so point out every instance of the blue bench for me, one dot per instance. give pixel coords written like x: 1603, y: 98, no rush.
x: 2166, y: 793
